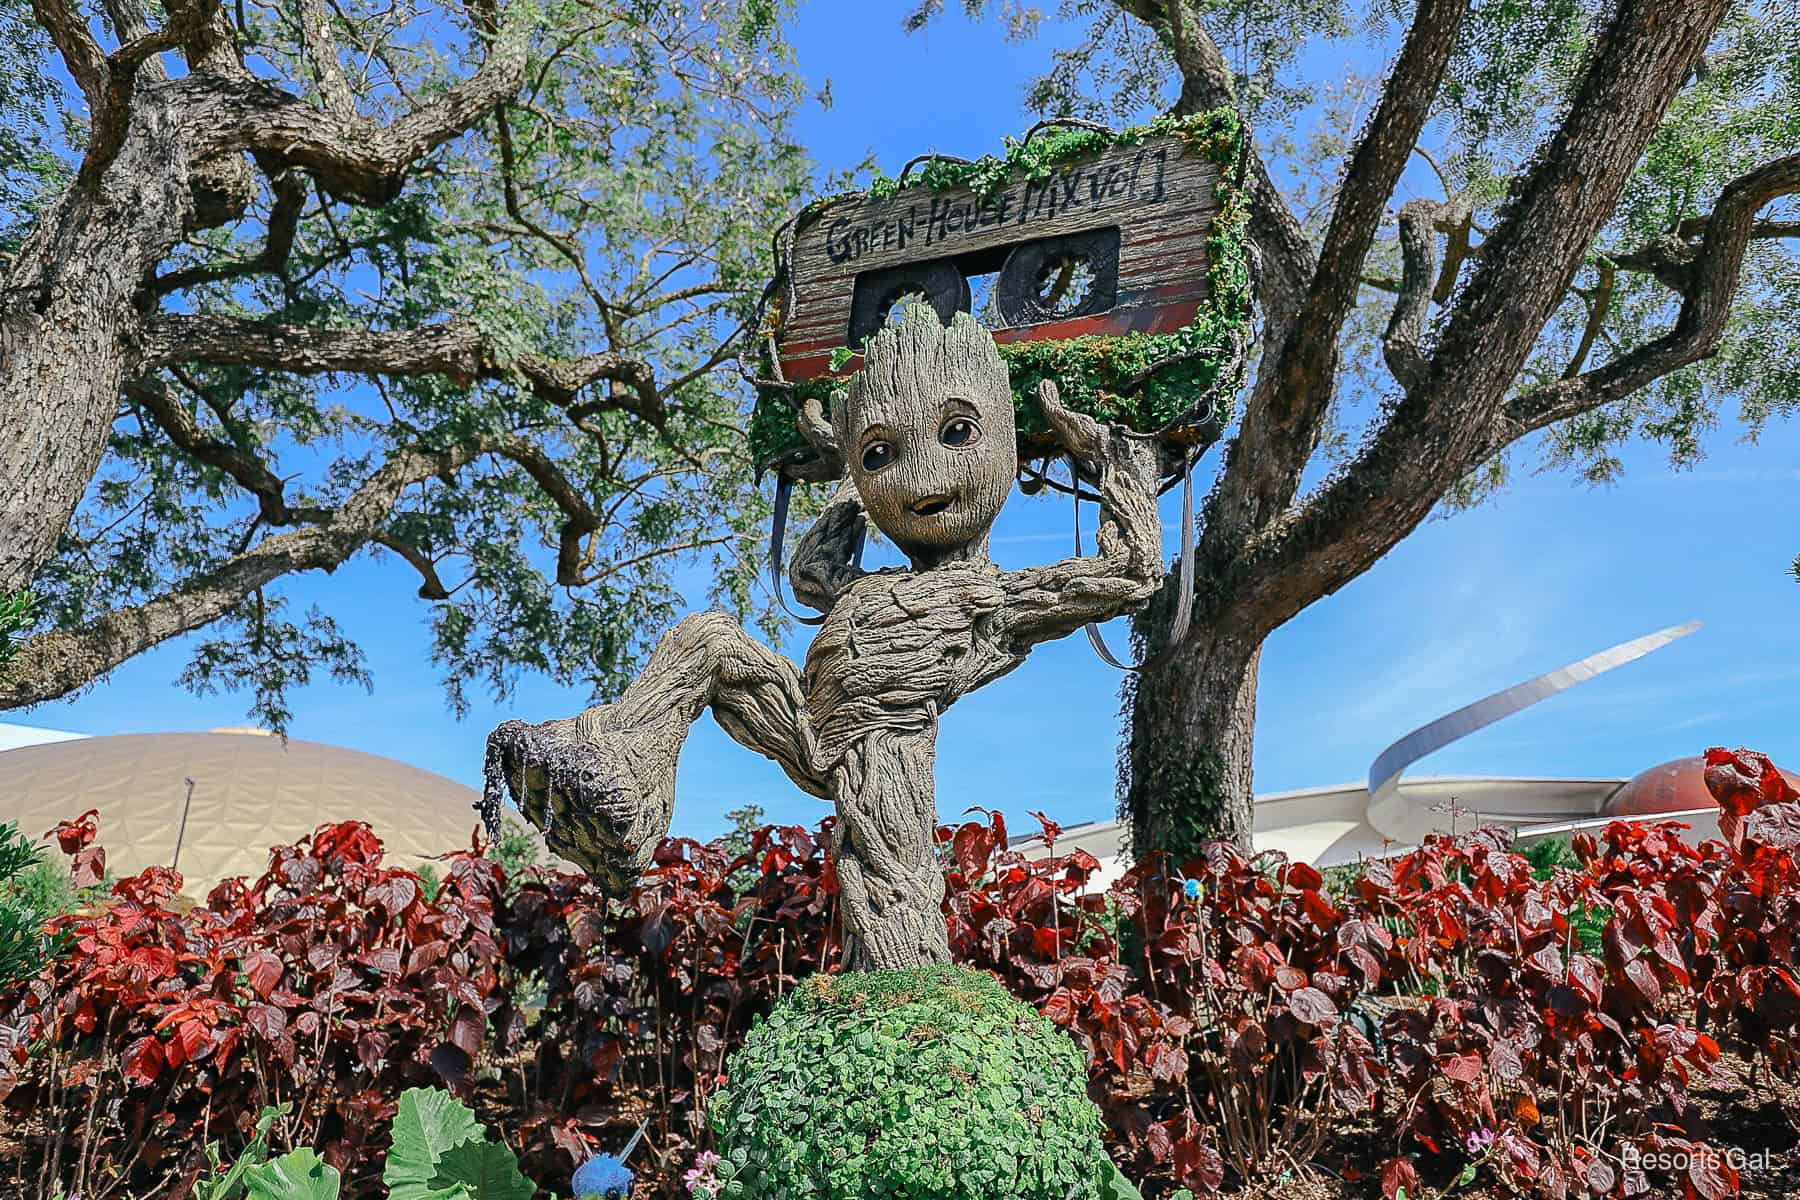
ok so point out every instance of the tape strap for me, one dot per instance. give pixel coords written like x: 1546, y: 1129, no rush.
x: 1184, y: 602
x: 784, y: 492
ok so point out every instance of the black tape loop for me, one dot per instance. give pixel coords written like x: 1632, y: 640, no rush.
x: 784, y: 491
x: 1184, y: 611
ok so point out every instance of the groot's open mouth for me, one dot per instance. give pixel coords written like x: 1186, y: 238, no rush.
x: 930, y: 506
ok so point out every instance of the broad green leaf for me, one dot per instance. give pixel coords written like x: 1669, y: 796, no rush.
x: 296, y: 1176
x: 1114, y: 1185
x: 488, y: 1170
x: 430, y: 1123
x: 232, y: 1183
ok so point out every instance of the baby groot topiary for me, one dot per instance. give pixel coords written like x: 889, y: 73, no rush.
x: 926, y: 434
x: 928, y: 1083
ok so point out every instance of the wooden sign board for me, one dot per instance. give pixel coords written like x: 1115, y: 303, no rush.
x: 1110, y: 243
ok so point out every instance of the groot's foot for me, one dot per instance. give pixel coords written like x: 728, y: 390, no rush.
x: 602, y: 797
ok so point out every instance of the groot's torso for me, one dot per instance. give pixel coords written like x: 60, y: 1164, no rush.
x: 899, y: 647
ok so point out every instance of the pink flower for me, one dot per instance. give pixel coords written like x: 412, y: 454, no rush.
x: 701, y: 1177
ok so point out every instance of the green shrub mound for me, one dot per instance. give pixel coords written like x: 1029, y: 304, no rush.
x: 929, y: 1084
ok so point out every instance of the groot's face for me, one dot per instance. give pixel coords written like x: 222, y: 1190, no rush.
x: 927, y: 433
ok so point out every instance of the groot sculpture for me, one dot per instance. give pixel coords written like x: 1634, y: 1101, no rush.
x: 926, y: 434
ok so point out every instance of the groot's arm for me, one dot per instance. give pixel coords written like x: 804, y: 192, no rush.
x: 825, y: 560
x: 1053, y: 601
x: 601, y: 785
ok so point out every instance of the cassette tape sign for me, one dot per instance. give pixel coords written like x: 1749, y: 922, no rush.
x: 1110, y: 243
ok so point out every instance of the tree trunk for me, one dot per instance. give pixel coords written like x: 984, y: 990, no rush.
x: 67, y: 319
x: 1186, y: 771
x: 890, y: 885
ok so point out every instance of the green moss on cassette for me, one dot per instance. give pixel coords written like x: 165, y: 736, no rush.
x: 1110, y: 378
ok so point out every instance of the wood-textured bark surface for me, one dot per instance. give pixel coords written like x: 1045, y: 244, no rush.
x: 858, y: 725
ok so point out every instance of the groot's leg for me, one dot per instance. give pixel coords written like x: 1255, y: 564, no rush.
x: 890, y: 885
x: 601, y: 785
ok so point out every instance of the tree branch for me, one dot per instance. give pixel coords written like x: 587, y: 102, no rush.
x: 133, y: 29
x: 1286, y: 257
x: 456, y: 349
x: 1292, y: 400
x: 1403, y: 345
x: 432, y: 588
x: 283, y: 225
x: 581, y: 520
x: 81, y: 54
x: 207, y: 37
x: 54, y: 664
x: 248, y: 470
x: 1598, y: 306
x: 322, y: 52
x: 1710, y: 284
x: 354, y: 158
x: 1455, y: 416
x: 1307, y: 363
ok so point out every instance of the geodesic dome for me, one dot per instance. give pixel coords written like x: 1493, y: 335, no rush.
x: 251, y: 792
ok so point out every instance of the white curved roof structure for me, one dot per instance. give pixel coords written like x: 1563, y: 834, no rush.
x: 251, y: 792
x: 1330, y: 826
x: 1402, y: 819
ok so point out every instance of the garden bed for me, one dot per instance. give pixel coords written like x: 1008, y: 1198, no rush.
x: 1459, y: 1021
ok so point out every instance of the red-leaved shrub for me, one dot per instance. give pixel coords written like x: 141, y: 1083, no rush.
x: 1235, y: 1009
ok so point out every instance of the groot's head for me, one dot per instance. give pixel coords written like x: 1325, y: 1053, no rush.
x: 927, y: 434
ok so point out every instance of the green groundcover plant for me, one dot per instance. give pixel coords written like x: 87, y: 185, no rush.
x: 24, y: 948
x: 931, y: 1082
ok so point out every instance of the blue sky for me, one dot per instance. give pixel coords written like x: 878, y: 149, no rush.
x: 1550, y: 572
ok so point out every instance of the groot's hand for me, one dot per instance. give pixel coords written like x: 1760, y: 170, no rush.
x: 1099, y: 448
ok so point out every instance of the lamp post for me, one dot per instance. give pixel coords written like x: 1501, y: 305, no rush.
x: 181, y: 834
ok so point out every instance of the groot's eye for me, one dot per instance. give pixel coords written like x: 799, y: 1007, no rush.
x: 959, y: 431
x: 877, y: 455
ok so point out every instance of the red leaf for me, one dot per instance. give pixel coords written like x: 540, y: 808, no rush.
x: 1314, y: 1007
x: 1464, y: 1068
x: 88, y: 867
x: 144, y: 1060
x: 1397, y: 1174
x: 1643, y: 981
x: 468, y: 1030
x: 1304, y: 876
x: 1198, y: 1165
x: 1777, y: 825
x: 150, y: 964
x: 1713, y: 1177
x: 269, y: 1022
x: 190, y: 1042
x: 75, y: 835
x: 262, y: 971
x: 972, y: 845
x: 1160, y: 1142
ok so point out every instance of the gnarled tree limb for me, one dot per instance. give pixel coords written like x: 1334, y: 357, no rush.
x: 54, y: 664
x: 1292, y: 400
x: 456, y: 349
x: 81, y: 54
x: 1403, y: 344
x: 322, y: 52
x: 356, y: 159
x: 1708, y: 287
x: 247, y: 469
x: 283, y: 224
x: 1453, y: 418
x: 1286, y: 258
